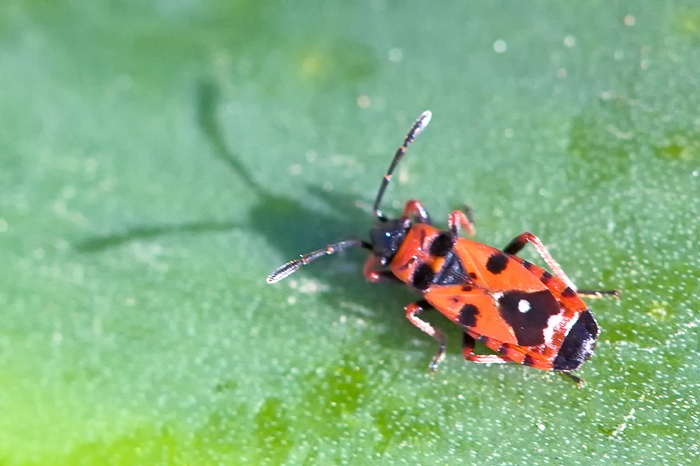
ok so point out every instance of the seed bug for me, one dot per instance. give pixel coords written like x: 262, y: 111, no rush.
x: 524, y: 313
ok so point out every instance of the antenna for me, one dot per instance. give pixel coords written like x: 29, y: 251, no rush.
x: 415, y: 130
x: 292, y: 266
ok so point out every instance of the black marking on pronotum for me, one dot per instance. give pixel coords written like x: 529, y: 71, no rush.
x: 452, y: 272
x: 467, y: 315
x: 528, y: 361
x: 442, y: 244
x: 568, y: 293
x: 423, y: 277
x: 528, y: 326
x: 497, y: 263
x: 578, y: 344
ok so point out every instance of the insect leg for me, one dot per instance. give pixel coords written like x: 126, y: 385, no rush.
x: 415, y: 208
x: 599, y: 293
x: 459, y: 218
x: 518, y: 243
x: 412, y: 311
x: 374, y: 275
x: 468, y: 352
x: 577, y: 380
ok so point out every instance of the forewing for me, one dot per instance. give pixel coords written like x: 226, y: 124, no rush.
x: 472, y: 308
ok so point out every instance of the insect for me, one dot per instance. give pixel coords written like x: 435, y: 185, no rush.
x: 523, y: 312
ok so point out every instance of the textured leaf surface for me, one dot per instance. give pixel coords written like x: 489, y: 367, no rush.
x: 159, y: 159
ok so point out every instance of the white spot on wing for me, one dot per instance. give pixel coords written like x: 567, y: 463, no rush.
x: 524, y: 305
x: 552, y: 324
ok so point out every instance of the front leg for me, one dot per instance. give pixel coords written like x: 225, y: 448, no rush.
x: 459, y: 218
x: 412, y: 311
x: 373, y: 274
x: 416, y: 210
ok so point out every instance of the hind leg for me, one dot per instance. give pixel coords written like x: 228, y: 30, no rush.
x: 468, y: 352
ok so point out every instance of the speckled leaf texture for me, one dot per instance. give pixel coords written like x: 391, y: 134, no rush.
x: 159, y: 158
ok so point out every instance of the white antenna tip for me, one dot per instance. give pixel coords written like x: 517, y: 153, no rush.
x: 423, y: 120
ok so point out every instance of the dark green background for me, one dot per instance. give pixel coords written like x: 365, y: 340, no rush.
x: 159, y: 159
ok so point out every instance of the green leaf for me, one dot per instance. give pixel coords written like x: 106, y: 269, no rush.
x: 159, y: 159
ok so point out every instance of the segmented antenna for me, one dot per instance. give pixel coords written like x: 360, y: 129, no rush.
x: 415, y: 130
x: 292, y: 266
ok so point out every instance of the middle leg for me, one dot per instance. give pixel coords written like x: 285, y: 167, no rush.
x: 515, y: 246
x: 519, y: 242
x: 412, y: 311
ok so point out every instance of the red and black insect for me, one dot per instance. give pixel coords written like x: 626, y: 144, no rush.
x: 524, y: 313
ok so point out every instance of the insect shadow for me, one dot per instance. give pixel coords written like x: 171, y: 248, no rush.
x: 293, y: 228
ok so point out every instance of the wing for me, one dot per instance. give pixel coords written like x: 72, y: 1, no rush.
x: 517, y: 317
x: 495, y: 270
x: 473, y: 308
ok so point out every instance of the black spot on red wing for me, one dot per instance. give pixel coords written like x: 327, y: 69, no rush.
x: 483, y: 339
x: 578, y: 344
x: 503, y: 349
x: 546, y: 277
x: 423, y: 277
x: 497, y: 263
x: 527, y: 265
x: 528, y: 326
x: 472, y: 275
x: 442, y: 244
x: 528, y: 361
x: 455, y: 299
x: 568, y: 293
x: 467, y: 315
x: 452, y: 272
x: 467, y: 288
